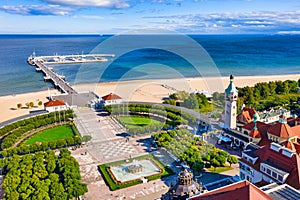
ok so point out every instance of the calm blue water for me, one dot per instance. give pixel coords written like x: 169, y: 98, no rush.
x: 238, y: 54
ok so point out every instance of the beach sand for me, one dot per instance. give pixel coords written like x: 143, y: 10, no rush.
x: 8, y: 104
x: 138, y: 90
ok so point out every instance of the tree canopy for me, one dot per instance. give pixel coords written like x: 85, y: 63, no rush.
x: 42, y: 176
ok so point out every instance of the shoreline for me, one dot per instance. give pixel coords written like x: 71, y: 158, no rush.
x: 136, y: 90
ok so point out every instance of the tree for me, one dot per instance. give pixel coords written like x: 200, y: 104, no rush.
x: 57, y: 192
x: 191, y: 102
x: 221, y: 159
x: 232, y: 160
x: 279, y: 87
x: 40, y: 103
x: 19, y: 105
x: 171, y: 102
x: 173, y: 96
x: 215, y: 163
x: 182, y: 95
x: 286, y: 87
x: 198, y: 166
x: 86, y: 138
x: 272, y: 86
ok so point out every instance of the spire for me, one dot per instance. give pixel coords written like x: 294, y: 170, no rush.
x: 231, y: 88
x: 255, y: 117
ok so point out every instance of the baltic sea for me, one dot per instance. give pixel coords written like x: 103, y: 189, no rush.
x: 243, y: 55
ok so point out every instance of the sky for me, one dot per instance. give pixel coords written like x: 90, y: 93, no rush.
x: 119, y: 16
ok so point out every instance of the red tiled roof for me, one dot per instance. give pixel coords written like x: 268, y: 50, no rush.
x: 264, y: 136
x: 246, y: 115
x: 260, y: 125
x: 55, y: 102
x: 291, y: 165
x: 255, y: 133
x: 237, y: 191
x: 111, y: 96
x: 296, y: 130
x: 289, y: 144
x: 292, y: 145
x: 281, y: 130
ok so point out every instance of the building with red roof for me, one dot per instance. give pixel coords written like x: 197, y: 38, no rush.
x: 111, y: 99
x: 242, y: 190
x: 272, y: 163
x: 55, y: 105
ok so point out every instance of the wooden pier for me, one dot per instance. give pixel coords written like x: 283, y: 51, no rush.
x: 58, y: 80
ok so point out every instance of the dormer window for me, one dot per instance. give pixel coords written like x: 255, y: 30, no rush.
x: 280, y: 178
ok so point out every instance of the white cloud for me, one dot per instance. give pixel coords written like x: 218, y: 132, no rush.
x: 289, y: 32
x: 95, y: 17
x: 231, y: 22
x: 37, y: 10
x: 92, y: 3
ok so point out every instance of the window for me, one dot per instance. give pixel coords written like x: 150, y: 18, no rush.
x: 274, y: 175
x: 249, y: 178
x: 280, y: 178
x: 269, y: 171
x: 242, y: 176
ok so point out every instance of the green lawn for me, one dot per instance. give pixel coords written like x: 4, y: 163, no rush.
x: 56, y: 133
x: 137, y: 121
x: 219, y: 169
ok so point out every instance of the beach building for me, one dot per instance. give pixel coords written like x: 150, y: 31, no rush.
x: 55, y: 105
x: 111, y: 99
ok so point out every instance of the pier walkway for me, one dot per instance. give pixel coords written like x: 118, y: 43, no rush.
x: 40, y: 63
x: 55, y: 78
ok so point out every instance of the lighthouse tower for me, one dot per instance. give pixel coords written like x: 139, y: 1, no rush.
x: 231, y: 95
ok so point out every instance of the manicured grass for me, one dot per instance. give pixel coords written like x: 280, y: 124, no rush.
x: 166, y: 171
x: 56, y: 133
x: 219, y: 169
x: 137, y: 121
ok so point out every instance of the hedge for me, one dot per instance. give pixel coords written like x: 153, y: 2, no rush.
x: 17, y: 129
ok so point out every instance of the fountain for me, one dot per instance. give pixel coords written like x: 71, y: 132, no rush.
x: 136, y: 169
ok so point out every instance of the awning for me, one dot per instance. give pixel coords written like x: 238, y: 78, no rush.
x: 224, y: 138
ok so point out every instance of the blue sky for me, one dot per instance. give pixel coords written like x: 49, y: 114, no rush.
x: 117, y: 16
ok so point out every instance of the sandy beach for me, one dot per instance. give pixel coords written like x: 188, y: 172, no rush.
x: 138, y: 90
x: 8, y: 106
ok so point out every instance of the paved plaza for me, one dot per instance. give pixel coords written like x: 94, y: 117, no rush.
x: 110, y: 143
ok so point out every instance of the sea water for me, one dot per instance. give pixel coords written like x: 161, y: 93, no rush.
x: 239, y: 54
